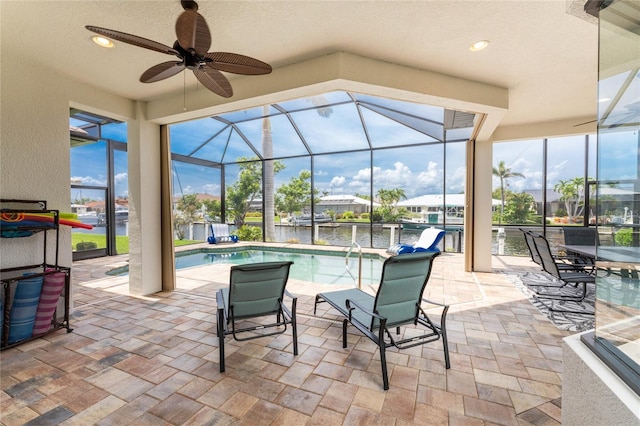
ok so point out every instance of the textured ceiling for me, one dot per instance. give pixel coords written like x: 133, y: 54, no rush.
x: 546, y: 57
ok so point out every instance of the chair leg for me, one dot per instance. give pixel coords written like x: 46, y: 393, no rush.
x: 445, y: 342
x: 344, y: 333
x: 315, y: 305
x: 221, y: 338
x: 294, y: 327
x: 383, y: 361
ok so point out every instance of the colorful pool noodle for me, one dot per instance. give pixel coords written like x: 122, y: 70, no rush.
x: 15, y: 219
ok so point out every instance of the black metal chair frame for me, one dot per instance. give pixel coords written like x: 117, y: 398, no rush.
x: 351, y: 305
x: 535, y: 257
x: 283, y: 314
x: 576, y: 277
x: 580, y: 235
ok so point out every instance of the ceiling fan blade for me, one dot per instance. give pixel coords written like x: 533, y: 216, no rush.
x: 237, y: 64
x: 133, y: 39
x: 162, y: 71
x: 193, y: 32
x: 214, y: 80
x: 189, y: 4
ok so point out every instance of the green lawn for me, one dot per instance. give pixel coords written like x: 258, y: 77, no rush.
x: 122, y: 242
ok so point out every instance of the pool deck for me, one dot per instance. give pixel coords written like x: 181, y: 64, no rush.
x: 154, y: 359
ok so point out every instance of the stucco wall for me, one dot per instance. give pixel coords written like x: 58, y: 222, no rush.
x: 34, y: 143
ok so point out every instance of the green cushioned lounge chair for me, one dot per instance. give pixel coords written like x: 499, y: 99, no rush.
x: 255, y: 290
x: 398, y: 302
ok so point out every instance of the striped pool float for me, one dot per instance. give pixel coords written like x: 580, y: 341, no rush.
x: 49, y: 296
x: 24, y: 308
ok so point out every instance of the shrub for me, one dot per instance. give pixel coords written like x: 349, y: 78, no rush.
x: 321, y: 242
x: 86, y: 245
x: 560, y: 212
x: 248, y: 233
x: 293, y: 241
x: 624, y: 237
x: 364, y: 216
x: 347, y: 215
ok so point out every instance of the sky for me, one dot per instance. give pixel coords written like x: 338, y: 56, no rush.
x: 402, y: 157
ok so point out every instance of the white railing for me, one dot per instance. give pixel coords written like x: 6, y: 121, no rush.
x: 358, y: 280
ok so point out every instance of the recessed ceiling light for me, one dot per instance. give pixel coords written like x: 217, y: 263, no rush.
x: 604, y: 99
x: 479, y: 45
x: 102, y: 41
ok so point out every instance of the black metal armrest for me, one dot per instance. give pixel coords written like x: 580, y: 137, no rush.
x: 350, y: 302
x: 435, y: 303
x: 285, y: 308
x: 286, y: 292
x: 219, y: 300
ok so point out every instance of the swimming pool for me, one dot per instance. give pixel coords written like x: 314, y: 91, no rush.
x: 318, y: 266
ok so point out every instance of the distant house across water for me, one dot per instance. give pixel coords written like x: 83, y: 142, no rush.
x: 433, y: 208
x: 345, y: 203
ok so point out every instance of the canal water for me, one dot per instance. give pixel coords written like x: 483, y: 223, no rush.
x: 376, y: 237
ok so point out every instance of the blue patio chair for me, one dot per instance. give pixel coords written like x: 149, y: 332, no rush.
x: 428, y: 242
x: 398, y: 302
x: 255, y: 290
x: 219, y: 233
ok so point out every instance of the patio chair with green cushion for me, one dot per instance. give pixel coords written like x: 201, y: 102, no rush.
x: 398, y: 302
x: 255, y: 290
x: 564, y: 277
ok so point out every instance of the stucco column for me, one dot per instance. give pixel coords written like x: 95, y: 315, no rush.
x: 482, y: 206
x: 145, y: 272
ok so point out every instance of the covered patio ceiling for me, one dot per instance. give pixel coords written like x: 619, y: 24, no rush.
x: 329, y: 123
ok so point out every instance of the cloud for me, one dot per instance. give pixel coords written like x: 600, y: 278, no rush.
x: 337, y: 181
x: 89, y: 180
x: 429, y: 180
x: 211, y: 188
x: 401, y: 176
x: 121, y: 177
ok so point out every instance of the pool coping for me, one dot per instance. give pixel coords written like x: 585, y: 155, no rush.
x: 338, y: 251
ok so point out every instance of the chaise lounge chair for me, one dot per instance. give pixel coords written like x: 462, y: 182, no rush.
x: 220, y: 234
x: 398, y: 302
x: 255, y: 290
x: 428, y: 242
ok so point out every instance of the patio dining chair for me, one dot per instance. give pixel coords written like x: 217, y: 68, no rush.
x: 398, y: 302
x: 581, y: 236
x: 575, y: 277
x: 256, y: 291
x: 535, y: 257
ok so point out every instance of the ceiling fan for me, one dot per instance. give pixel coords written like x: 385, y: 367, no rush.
x: 194, y: 40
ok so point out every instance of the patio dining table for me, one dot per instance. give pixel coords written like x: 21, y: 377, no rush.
x: 606, y: 253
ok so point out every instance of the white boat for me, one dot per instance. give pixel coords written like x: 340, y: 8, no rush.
x: 305, y: 219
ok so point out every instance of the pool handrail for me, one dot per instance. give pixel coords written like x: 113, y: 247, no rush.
x: 346, y: 261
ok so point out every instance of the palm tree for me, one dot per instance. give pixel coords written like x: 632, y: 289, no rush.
x: 504, y: 173
x: 268, y: 193
x: 573, y: 193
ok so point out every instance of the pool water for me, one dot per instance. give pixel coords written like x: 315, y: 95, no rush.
x: 316, y: 267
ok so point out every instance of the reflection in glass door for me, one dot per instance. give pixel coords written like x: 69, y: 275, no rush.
x: 89, y: 204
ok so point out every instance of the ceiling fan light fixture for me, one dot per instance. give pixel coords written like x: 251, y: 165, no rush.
x: 102, y: 41
x: 479, y: 45
x: 194, y: 40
